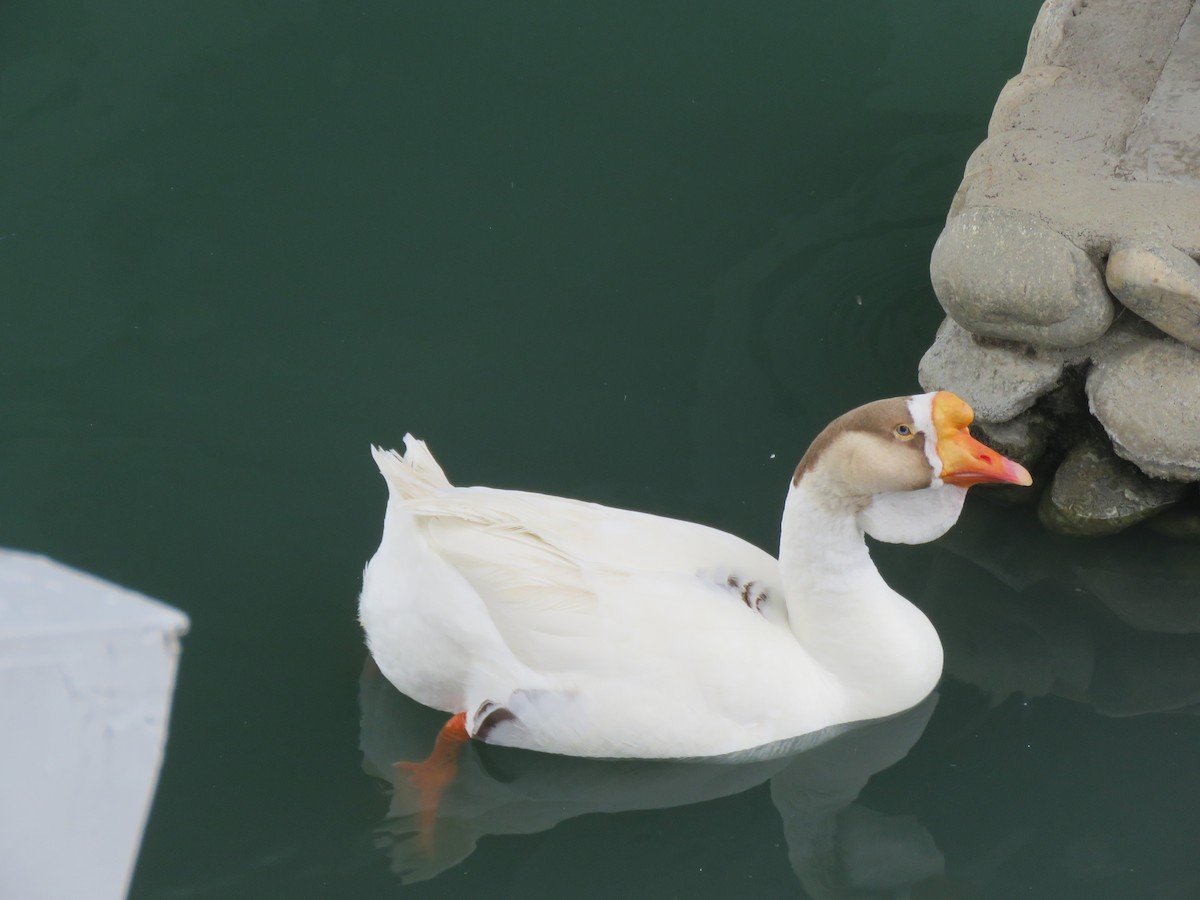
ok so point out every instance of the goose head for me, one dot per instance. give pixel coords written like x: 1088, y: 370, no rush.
x: 902, y: 466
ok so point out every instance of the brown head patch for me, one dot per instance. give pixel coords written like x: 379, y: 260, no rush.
x: 877, y: 419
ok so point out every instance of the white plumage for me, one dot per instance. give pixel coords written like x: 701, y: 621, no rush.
x: 574, y: 628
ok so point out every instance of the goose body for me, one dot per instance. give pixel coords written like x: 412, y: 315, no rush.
x: 573, y: 628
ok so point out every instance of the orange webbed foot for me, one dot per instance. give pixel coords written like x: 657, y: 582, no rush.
x: 432, y: 775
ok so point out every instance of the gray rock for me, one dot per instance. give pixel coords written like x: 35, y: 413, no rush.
x: 1127, y: 329
x: 999, y: 380
x: 1095, y: 493
x: 1091, y: 155
x: 1005, y: 274
x: 1097, y: 135
x: 1059, y: 419
x: 1020, y: 93
x: 1160, y: 284
x: 1164, y: 144
x: 1046, y: 36
x: 1091, y: 211
x: 1147, y: 397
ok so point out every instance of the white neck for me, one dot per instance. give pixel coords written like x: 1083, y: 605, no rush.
x: 878, y: 647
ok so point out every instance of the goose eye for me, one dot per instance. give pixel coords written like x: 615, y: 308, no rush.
x: 904, y: 432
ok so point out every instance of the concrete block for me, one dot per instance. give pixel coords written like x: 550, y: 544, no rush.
x: 87, y: 671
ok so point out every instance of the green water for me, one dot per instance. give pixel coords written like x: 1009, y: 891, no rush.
x: 635, y: 253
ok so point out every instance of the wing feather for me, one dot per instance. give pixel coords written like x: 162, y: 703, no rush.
x: 538, y: 594
x: 544, y: 566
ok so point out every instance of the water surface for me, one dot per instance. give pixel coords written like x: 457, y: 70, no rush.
x: 633, y: 253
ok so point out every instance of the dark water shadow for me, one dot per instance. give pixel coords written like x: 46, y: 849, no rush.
x: 1113, y: 623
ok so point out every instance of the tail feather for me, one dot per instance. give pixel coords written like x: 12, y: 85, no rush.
x: 415, y: 474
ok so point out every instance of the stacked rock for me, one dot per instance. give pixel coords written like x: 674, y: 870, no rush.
x: 1068, y: 267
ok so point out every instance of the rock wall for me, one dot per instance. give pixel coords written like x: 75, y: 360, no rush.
x: 1068, y: 267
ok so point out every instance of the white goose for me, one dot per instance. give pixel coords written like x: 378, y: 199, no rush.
x: 573, y: 628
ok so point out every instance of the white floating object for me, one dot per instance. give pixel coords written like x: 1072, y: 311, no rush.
x: 87, y: 670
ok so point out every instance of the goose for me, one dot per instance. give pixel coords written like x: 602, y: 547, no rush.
x: 568, y: 627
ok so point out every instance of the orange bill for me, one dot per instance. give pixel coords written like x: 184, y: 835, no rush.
x: 966, y: 461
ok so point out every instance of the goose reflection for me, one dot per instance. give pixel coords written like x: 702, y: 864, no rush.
x: 836, y: 847
x: 1113, y: 623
